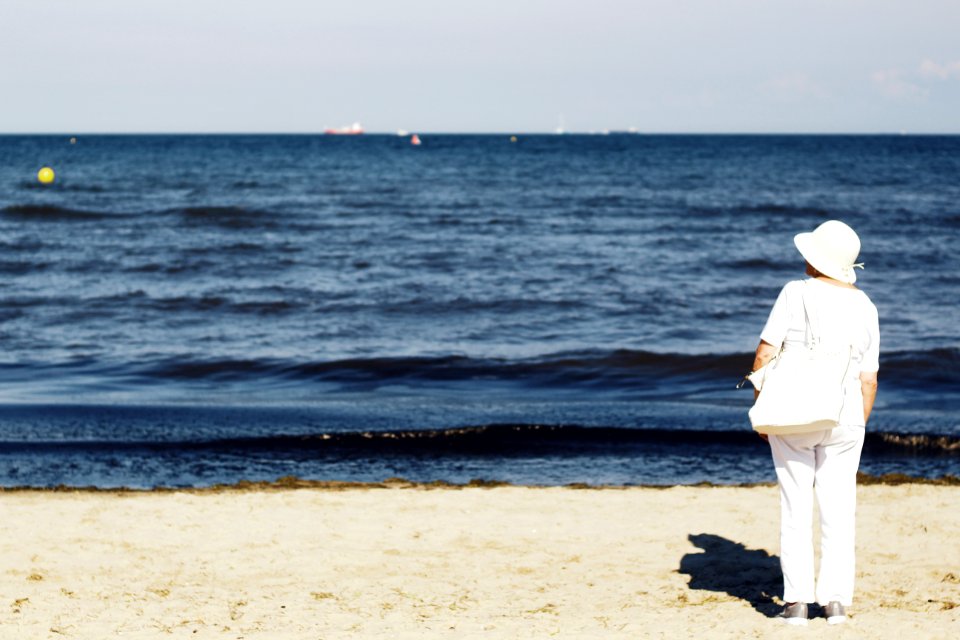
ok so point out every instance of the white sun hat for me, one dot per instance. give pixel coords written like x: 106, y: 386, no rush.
x: 831, y: 249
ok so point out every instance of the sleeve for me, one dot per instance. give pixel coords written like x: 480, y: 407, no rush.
x: 778, y: 322
x: 871, y: 357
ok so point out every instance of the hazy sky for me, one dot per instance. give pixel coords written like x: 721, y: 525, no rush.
x: 485, y: 65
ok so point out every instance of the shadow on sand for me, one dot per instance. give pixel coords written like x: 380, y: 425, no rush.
x: 729, y: 567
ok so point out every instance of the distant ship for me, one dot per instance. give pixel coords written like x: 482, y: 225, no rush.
x: 348, y: 130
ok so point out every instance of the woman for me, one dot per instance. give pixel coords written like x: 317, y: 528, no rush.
x: 823, y: 463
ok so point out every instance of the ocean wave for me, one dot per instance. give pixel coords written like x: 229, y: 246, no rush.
x: 362, y: 204
x: 496, y: 439
x: 935, y: 370
x: 930, y: 369
x: 624, y: 366
x: 49, y: 212
x: 229, y: 217
x: 172, y: 268
x: 123, y: 303
x: 220, y: 304
x: 21, y: 267
x: 787, y: 210
x: 766, y: 210
x: 85, y: 188
x: 600, y: 201
x: 755, y: 264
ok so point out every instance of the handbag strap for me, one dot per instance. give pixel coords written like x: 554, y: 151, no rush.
x: 811, y: 336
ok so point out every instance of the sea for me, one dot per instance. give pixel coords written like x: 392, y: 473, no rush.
x: 195, y: 310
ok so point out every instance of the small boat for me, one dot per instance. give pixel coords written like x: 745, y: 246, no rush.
x: 415, y: 140
x: 348, y: 130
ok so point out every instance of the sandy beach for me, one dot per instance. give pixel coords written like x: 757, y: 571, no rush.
x: 416, y: 562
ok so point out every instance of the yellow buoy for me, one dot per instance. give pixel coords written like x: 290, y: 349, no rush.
x: 513, y: 138
x: 46, y: 175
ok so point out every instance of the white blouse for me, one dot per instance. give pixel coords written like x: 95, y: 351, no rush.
x: 841, y: 316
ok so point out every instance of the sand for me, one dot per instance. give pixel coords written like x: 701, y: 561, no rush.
x: 504, y: 562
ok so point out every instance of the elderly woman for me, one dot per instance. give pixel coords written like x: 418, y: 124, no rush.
x: 823, y: 463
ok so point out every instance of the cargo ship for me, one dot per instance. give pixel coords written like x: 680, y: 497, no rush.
x: 347, y: 130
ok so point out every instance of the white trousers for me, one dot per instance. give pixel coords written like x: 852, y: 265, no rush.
x: 824, y: 463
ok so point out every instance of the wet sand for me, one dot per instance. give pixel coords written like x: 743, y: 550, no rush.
x: 402, y: 561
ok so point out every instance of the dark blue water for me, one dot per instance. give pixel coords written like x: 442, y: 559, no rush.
x: 185, y: 310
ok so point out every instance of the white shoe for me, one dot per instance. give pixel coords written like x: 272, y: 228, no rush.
x: 835, y: 613
x: 794, y: 614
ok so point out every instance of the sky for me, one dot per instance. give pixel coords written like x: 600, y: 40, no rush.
x: 660, y: 66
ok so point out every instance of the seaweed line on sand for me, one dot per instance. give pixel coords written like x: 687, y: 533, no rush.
x: 288, y: 483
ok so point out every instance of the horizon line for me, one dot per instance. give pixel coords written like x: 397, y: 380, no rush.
x: 506, y: 132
